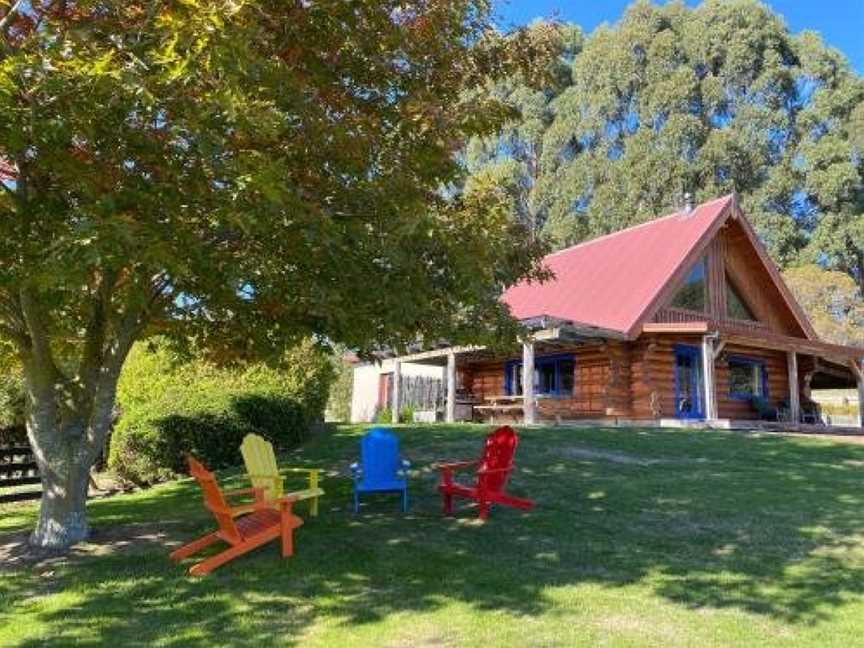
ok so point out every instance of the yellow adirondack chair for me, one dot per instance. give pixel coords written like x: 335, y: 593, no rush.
x: 263, y: 472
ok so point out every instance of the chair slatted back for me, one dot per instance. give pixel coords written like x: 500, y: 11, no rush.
x: 498, y: 452
x: 261, y: 465
x: 379, y: 454
x: 214, y: 501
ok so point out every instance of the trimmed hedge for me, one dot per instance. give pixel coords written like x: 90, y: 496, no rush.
x: 171, y: 407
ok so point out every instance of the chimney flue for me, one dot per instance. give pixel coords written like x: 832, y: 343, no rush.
x: 688, y: 202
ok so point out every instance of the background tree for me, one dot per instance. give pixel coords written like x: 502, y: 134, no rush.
x: 710, y: 100
x: 510, y: 159
x: 342, y: 389
x: 832, y: 301
x: 239, y: 174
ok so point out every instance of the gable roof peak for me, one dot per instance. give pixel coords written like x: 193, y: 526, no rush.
x: 610, y: 282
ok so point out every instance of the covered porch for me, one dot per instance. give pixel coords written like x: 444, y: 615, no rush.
x: 584, y: 375
x: 493, y: 385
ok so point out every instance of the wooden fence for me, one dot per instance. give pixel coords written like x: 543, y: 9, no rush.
x: 17, y: 468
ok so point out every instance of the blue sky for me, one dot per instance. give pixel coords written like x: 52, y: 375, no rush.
x: 841, y: 22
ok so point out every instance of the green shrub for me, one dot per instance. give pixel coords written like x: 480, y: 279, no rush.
x: 385, y: 415
x: 11, y: 391
x: 171, y: 407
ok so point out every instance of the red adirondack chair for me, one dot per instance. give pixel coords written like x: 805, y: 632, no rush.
x: 244, y: 527
x: 493, y: 470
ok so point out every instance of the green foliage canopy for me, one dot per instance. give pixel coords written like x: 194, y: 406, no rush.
x: 241, y: 174
x: 832, y: 302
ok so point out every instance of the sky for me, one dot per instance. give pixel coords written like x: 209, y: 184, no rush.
x: 841, y: 22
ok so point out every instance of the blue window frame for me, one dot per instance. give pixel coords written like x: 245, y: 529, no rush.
x: 688, y: 383
x: 553, y: 375
x: 748, y: 378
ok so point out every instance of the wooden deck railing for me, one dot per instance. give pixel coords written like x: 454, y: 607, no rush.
x: 675, y: 315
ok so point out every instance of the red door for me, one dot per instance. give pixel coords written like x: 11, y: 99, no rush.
x: 385, y: 384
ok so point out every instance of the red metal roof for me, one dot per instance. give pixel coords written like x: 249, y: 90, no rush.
x: 610, y: 281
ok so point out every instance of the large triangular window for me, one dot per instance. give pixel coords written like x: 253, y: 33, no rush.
x: 736, y: 307
x: 693, y: 294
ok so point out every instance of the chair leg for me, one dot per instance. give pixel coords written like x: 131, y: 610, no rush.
x: 484, y: 509
x: 287, y: 540
x: 194, y: 547
x: 313, y: 507
x: 405, y: 501
x: 206, y: 566
x: 356, y: 502
x: 447, y: 504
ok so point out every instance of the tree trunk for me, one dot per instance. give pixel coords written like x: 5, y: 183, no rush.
x: 68, y: 416
x: 62, y: 514
x: 65, y: 451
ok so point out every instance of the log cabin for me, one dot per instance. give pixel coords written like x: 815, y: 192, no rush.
x: 683, y: 320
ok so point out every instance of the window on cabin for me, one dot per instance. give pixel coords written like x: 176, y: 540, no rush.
x: 736, y: 307
x: 747, y: 379
x: 693, y: 294
x: 553, y: 376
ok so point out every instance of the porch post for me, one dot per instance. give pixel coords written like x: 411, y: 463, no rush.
x: 450, y: 413
x: 528, y: 382
x: 396, y: 400
x: 794, y: 392
x: 708, y: 377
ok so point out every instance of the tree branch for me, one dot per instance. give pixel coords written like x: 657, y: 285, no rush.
x: 93, y: 353
x: 11, y: 15
x: 40, y: 345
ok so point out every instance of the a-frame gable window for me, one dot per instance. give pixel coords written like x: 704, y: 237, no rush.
x: 693, y: 295
x: 736, y: 307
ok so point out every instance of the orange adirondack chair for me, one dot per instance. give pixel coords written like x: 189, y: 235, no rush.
x: 244, y: 527
x: 493, y: 470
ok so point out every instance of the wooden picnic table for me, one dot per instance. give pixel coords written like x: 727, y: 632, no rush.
x: 503, y: 398
x: 501, y: 403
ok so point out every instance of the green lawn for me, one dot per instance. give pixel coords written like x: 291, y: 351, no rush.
x: 640, y: 537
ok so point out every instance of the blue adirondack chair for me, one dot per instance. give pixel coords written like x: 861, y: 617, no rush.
x: 381, y: 469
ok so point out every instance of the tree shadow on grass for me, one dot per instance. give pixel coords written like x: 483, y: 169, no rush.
x: 771, y: 526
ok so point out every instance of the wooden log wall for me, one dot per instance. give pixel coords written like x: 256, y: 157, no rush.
x: 618, y: 400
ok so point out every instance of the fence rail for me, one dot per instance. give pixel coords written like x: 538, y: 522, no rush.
x: 17, y: 468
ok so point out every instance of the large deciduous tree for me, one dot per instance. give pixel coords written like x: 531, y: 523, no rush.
x: 241, y: 173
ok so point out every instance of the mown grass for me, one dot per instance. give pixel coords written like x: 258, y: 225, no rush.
x: 640, y: 537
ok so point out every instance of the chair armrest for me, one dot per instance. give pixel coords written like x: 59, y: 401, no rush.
x: 276, y: 479
x: 356, y: 470
x: 242, y: 491
x: 313, y: 474
x: 285, y: 504
x: 457, y: 465
x: 489, y: 471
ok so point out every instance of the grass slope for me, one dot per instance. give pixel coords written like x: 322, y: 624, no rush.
x: 640, y: 538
